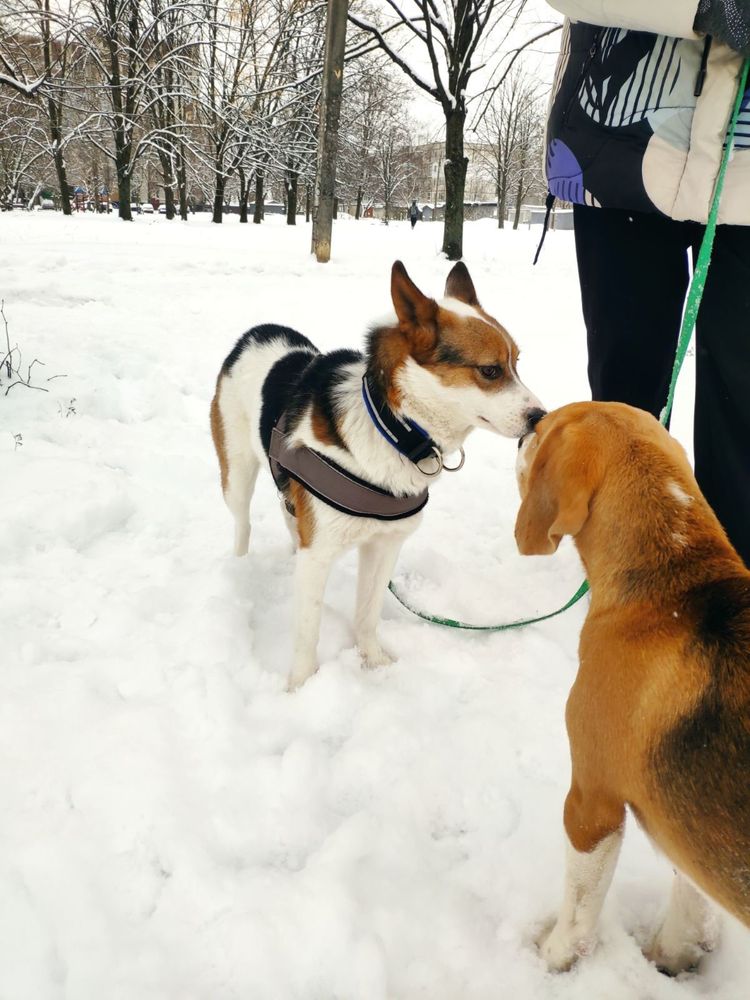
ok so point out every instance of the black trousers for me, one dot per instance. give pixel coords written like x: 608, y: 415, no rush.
x: 633, y: 270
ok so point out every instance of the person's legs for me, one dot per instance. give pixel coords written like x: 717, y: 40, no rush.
x: 633, y: 272
x: 722, y: 394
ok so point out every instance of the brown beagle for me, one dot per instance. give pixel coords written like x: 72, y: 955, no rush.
x: 659, y: 715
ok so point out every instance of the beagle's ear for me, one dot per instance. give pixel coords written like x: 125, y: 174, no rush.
x: 556, y: 504
x: 417, y: 314
x: 460, y: 286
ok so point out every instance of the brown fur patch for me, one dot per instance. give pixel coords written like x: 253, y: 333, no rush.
x: 465, y: 344
x: 304, y: 512
x: 389, y: 349
x: 217, y: 433
x: 322, y: 429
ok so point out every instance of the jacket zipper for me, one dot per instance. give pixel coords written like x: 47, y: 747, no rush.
x: 591, y: 55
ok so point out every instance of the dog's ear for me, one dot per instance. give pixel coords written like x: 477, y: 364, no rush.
x: 417, y: 314
x: 557, y: 500
x: 460, y: 286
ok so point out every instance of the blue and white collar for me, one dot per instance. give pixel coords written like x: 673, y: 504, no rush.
x: 402, y: 433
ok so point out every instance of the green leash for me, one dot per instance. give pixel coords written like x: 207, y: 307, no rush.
x: 690, y: 315
x: 700, y: 273
x: 452, y: 623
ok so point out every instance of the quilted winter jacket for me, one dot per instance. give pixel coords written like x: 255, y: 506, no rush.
x: 626, y: 129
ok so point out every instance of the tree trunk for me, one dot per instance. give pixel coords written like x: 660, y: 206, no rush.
x: 168, y: 179
x: 182, y: 189
x: 62, y: 181
x: 244, y: 192
x: 169, y: 201
x: 455, y: 182
x: 258, y: 213
x: 328, y: 135
x: 291, y: 198
x: 358, y: 209
x: 54, y: 110
x: 123, y: 186
x: 502, y: 206
x: 219, y: 198
x: 519, y: 192
x: 502, y: 198
x: 55, y: 117
x: 307, y: 202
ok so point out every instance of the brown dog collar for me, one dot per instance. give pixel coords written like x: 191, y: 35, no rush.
x: 335, y: 485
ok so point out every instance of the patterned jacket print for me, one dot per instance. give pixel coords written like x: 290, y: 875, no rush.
x: 638, y: 118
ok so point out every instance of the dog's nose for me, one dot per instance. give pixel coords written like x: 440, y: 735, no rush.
x: 533, y: 416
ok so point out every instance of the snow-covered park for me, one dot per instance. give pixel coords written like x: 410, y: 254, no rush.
x: 175, y: 825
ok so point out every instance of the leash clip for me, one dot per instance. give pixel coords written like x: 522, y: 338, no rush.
x: 437, y: 456
x: 455, y: 468
x: 442, y: 467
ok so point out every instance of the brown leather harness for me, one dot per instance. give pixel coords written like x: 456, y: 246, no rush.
x: 332, y: 484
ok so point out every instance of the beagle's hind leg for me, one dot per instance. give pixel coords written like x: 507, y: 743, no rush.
x: 595, y: 829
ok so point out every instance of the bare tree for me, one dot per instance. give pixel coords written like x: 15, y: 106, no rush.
x: 452, y: 35
x: 505, y: 134
x: 40, y: 45
x: 529, y: 153
x: 372, y: 101
x: 115, y: 43
x: 395, y: 167
x: 170, y: 74
x: 298, y: 112
x: 14, y: 76
x: 18, y: 151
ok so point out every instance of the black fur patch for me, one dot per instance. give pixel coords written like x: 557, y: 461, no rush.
x: 265, y: 334
x: 448, y: 355
x: 317, y: 385
x: 721, y: 611
x: 279, y: 388
x: 701, y: 766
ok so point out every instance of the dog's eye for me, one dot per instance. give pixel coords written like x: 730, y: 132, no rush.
x: 491, y: 372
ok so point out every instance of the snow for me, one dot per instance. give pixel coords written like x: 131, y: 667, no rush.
x: 176, y: 825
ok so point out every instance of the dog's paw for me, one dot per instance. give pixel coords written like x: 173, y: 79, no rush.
x: 373, y: 655
x: 689, y: 931
x: 299, y: 675
x: 561, y: 950
x: 674, y: 957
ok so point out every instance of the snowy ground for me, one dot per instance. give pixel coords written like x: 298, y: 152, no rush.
x: 175, y: 825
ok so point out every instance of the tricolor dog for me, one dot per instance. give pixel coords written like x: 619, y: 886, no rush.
x: 354, y: 441
x: 659, y: 715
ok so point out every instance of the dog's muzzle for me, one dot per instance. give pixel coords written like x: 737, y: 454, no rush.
x: 532, y: 419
